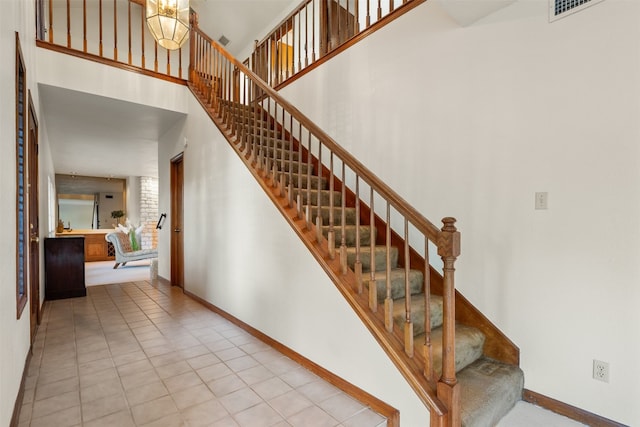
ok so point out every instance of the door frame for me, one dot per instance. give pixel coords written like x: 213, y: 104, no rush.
x: 177, y: 222
x: 33, y: 210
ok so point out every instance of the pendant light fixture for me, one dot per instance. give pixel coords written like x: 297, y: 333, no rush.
x: 168, y: 21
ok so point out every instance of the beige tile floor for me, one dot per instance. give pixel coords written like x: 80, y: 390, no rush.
x: 134, y: 354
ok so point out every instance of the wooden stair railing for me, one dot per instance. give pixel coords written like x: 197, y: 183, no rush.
x: 316, y: 30
x: 243, y: 106
x: 112, y: 32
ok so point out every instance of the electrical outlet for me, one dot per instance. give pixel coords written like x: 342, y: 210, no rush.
x: 541, y: 200
x: 600, y: 371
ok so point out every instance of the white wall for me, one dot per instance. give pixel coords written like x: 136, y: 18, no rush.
x: 471, y: 122
x: 238, y: 252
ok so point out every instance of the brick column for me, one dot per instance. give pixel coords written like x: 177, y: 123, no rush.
x: 149, y: 211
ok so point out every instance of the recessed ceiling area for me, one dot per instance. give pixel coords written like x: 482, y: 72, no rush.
x: 97, y: 136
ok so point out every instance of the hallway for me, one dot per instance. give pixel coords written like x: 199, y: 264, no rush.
x: 134, y: 354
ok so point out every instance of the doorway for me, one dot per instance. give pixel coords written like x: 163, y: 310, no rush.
x: 34, y: 223
x: 177, y: 211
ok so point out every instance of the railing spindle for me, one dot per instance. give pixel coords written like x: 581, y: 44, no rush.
x: 358, y: 263
x: 308, y: 186
x: 319, y: 194
x: 50, y: 21
x: 84, y: 26
x: 168, y: 62
x: 332, y: 236
x: 368, y: 13
x: 428, y: 351
x: 68, y: 24
x: 373, y: 294
x: 343, y: 222
x: 379, y: 10
x: 130, y: 56
x: 155, y: 56
x: 313, y: 31
x: 408, y: 325
x: 115, y: 31
x: 388, y: 302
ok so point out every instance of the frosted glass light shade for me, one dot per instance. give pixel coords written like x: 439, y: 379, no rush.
x: 168, y: 21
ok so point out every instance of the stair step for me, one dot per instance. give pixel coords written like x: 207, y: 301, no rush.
x: 271, y: 133
x: 301, y: 181
x: 273, y: 142
x: 350, y: 213
x: 397, y: 283
x: 469, y: 346
x: 350, y: 234
x: 488, y: 391
x: 295, y: 166
x: 417, y: 312
x: 380, y: 257
x: 324, y: 196
x: 280, y: 153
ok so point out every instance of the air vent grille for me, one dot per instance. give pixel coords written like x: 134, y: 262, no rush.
x: 561, y: 8
x: 223, y: 40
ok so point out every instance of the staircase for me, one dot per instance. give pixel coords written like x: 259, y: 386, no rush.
x: 458, y: 363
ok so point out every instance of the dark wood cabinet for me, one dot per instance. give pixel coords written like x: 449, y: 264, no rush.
x: 64, y: 267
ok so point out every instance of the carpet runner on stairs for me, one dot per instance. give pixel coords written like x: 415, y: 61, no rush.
x: 489, y: 389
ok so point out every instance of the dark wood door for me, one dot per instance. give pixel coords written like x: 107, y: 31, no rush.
x: 34, y: 227
x: 177, y: 210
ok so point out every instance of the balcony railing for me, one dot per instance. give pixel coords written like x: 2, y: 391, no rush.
x: 316, y: 30
x: 109, y: 31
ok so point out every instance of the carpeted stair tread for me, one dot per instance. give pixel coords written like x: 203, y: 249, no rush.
x: 279, y: 153
x: 350, y: 234
x: 295, y: 167
x: 397, y: 283
x: 469, y: 346
x: 301, y: 181
x: 273, y: 142
x: 350, y: 215
x: 324, y: 197
x: 380, y: 257
x: 489, y: 389
x: 417, y: 312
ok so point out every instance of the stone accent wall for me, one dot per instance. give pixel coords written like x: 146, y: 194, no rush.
x: 149, y: 211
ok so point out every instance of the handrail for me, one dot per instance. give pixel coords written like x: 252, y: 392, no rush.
x: 267, y: 131
x: 108, y: 30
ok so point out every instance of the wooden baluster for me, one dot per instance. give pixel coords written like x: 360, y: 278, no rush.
x: 115, y: 31
x: 313, y: 31
x: 340, y: 28
x: 373, y: 294
x: 50, y: 21
x: 308, y: 204
x: 299, y: 196
x: 448, y: 389
x: 155, y: 56
x: 358, y: 264
x: 180, y: 63
x: 100, y: 30
x: 84, y: 26
x: 428, y: 353
x: 408, y: 324
x: 319, y: 194
x: 306, y: 35
x: 391, y: 6
x: 168, y: 62
x: 356, y: 12
x: 142, y: 13
x: 343, y: 222
x: 331, y: 236
x: 299, y: 41
x: 291, y: 148
x: 287, y: 45
x: 388, y: 302
x: 129, y: 31
x: 68, y: 24
x: 379, y: 10
x: 368, y: 13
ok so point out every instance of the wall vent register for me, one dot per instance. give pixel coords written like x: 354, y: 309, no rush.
x: 561, y: 8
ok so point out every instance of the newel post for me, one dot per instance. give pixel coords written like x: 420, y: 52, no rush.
x: 448, y: 388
